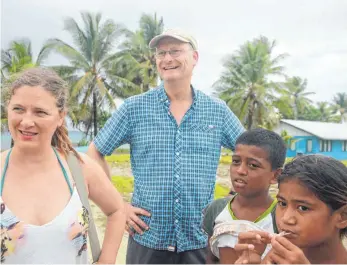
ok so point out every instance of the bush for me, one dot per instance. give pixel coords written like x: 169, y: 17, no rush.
x: 226, y: 159
x: 221, y: 191
x: 83, y: 142
x: 123, y: 184
x: 118, y: 158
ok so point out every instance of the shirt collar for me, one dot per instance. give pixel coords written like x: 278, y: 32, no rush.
x: 165, y: 99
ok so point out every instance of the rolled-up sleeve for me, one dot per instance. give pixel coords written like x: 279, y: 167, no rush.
x: 115, y: 132
x: 232, y: 129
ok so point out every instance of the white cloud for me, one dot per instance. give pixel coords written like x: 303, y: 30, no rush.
x: 313, y: 32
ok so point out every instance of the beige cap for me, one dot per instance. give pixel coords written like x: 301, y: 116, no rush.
x: 176, y: 34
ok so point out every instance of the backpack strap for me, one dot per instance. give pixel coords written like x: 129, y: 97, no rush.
x: 212, y: 211
x: 76, y: 172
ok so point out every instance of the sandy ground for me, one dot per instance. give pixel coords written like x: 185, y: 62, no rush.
x: 124, y: 170
x: 100, y: 222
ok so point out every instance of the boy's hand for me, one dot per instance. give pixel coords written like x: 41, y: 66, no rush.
x: 284, y: 252
x: 251, y: 246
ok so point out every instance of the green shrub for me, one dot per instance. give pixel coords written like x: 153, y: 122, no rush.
x: 225, y: 159
x: 83, y: 142
x: 118, y: 158
x: 123, y: 184
x: 221, y: 191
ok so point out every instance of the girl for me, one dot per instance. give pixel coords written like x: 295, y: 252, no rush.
x: 311, y: 210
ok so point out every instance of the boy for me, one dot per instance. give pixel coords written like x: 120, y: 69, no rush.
x: 257, y: 161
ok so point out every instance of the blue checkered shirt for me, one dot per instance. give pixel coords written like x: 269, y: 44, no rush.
x: 174, y: 166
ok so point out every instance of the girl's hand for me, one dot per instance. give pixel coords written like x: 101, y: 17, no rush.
x: 251, y: 246
x: 284, y: 252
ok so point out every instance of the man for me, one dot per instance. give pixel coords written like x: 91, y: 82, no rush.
x: 175, y: 134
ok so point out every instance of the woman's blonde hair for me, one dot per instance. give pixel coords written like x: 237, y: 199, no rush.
x: 54, y: 84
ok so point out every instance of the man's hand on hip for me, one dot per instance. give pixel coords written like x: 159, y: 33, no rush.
x: 134, y: 223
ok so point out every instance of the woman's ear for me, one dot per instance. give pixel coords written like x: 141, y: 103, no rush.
x: 62, y: 117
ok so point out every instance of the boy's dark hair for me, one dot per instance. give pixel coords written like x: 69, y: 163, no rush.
x: 326, y: 177
x: 270, y: 141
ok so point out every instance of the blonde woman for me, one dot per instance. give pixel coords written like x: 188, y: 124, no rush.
x: 42, y: 216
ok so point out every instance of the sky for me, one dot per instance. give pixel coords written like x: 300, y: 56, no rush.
x: 312, y: 32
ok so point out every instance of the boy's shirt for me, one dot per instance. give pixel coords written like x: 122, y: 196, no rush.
x: 220, y: 211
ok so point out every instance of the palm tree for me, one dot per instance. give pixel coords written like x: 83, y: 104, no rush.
x: 340, y: 105
x: 94, y: 83
x: 137, y: 61
x: 325, y: 112
x: 19, y: 56
x: 295, y: 94
x: 245, y: 85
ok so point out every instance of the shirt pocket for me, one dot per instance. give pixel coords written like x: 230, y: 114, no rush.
x: 202, y: 137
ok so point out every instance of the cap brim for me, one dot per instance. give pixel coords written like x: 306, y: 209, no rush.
x: 154, y: 42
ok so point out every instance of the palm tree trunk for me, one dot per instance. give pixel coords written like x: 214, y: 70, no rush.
x: 295, y: 110
x: 250, y: 115
x: 95, y: 114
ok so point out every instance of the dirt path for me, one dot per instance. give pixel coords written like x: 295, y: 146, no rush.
x: 100, y: 221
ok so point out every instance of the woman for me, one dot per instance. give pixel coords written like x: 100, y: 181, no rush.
x: 42, y: 217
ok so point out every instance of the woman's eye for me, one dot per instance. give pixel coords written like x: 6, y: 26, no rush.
x: 235, y: 161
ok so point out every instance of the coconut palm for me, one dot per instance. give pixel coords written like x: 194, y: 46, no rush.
x: 136, y: 60
x: 19, y: 56
x: 245, y: 83
x: 325, y: 111
x: 340, y: 105
x: 91, y: 60
x: 295, y: 96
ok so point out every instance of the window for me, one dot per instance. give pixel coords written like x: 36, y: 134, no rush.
x: 344, y: 146
x: 309, y: 146
x: 325, y: 145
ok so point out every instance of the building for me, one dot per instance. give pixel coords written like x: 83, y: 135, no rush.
x: 311, y: 137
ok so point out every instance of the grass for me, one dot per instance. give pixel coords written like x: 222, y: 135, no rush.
x: 118, y: 158
x: 121, y: 158
x: 224, y: 159
x: 125, y: 184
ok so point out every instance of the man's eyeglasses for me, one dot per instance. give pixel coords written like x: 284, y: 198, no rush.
x: 160, y: 54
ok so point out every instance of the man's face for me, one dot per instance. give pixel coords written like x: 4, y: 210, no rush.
x: 179, y: 64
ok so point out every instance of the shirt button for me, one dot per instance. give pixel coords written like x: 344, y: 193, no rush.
x: 177, y: 153
x: 177, y: 200
x: 177, y: 176
x: 176, y: 221
x: 178, y: 131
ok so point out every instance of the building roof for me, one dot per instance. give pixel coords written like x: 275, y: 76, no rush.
x: 323, y: 130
